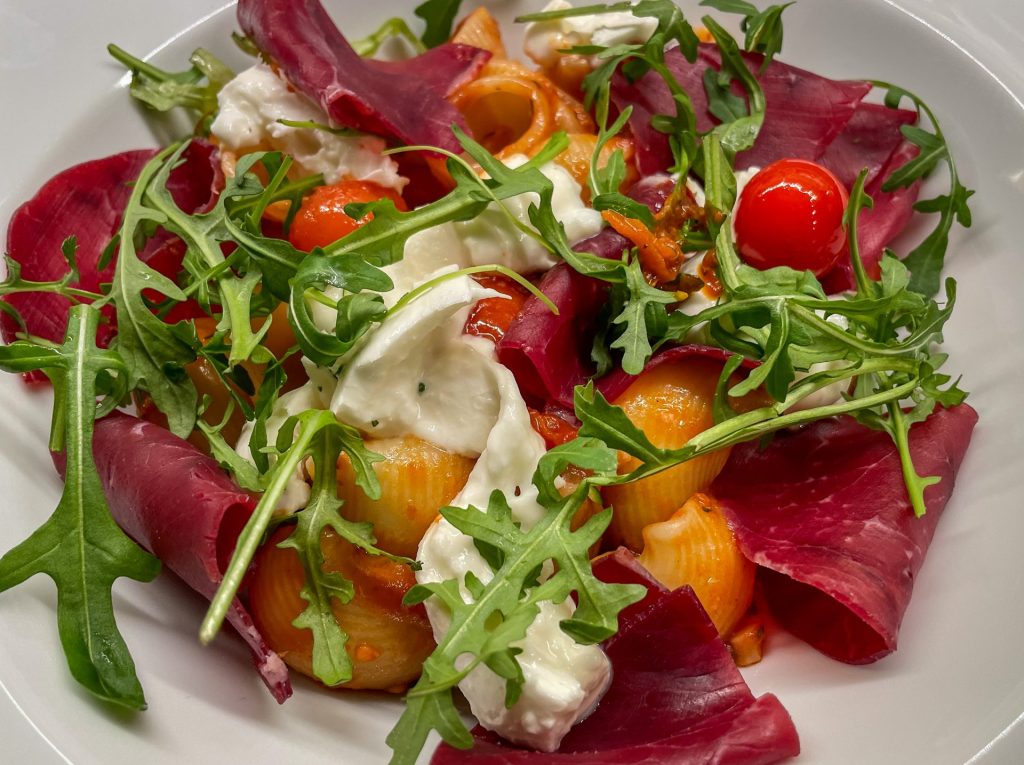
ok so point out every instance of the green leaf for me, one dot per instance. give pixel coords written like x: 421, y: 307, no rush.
x: 634, y: 342
x: 588, y: 453
x: 356, y: 312
x: 154, y: 355
x: 80, y: 547
x: 722, y: 102
x: 763, y: 29
x: 195, y: 88
x: 926, y: 260
x: 610, y: 425
x: 440, y: 17
x: 485, y: 627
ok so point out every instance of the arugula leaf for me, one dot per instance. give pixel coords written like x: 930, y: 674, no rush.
x: 763, y: 29
x: 331, y: 662
x: 644, y: 301
x: 355, y: 312
x: 440, y: 17
x: 926, y: 260
x: 722, y: 102
x: 80, y: 547
x: 319, y: 434
x: 163, y: 90
x: 500, y: 612
x: 203, y: 234
x: 155, y: 357
x: 394, y: 27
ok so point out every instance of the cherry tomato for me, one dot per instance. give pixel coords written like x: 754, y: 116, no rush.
x: 791, y: 214
x: 322, y: 220
x: 491, y: 317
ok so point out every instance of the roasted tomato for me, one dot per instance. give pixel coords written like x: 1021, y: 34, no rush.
x: 791, y: 214
x: 322, y: 220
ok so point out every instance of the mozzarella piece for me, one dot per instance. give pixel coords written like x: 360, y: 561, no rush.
x: 469, y: 403
x: 544, y: 39
x: 251, y: 105
x: 489, y: 239
x: 492, y: 238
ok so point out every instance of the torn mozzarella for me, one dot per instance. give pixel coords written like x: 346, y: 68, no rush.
x: 492, y: 238
x: 251, y: 106
x: 419, y: 374
x: 545, y: 39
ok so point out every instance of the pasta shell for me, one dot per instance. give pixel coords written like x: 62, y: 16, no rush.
x: 481, y: 30
x: 670, y: 403
x: 576, y: 158
x: 387, y: 642
x: 417, y: 479
x: 514, y: 110
x: 747, y: 640
x: 696, y: 546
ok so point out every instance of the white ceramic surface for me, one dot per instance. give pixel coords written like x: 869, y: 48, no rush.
x: 954, y: 692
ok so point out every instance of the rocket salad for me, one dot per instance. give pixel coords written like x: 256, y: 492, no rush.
x: 489, y: 369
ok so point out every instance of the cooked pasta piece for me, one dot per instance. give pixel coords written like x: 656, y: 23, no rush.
x: 387, y: 641
x: 670, y: 403
x: 514, y: 110
x: 417, y: 479
x: 747, y: 640
x: 480, y: 29
x: 696, y: 546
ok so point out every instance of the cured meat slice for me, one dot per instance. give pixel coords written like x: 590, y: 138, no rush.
x: 676, y: 697
x: 177, y: 503
x: 401, y: 100
x: 87, y: 201
x: 824, y: 510
x: 805, y: 111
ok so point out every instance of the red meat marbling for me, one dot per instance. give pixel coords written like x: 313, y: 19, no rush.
x: 824, y: 511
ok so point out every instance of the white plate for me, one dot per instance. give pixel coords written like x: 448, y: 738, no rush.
x: 953, y: 693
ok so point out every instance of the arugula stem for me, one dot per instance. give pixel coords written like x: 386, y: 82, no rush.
x: 309, y: 424
x: 395, y: 27
x: 521, y: 280
x: 915, y: 483
x: 132, y: 63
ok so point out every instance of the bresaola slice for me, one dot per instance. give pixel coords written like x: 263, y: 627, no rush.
x: 401, y: 100
x: 87, y: 201
x: 676, y: 697
x: 177, y: 503
x: 824, y: 511
x: 805, y: 111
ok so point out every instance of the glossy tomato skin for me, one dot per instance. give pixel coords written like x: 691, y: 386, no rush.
x: 791, y: 214
x: 322, y: 220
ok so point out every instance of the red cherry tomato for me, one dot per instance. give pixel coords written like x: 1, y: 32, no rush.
x: 322, y: 220
x: 791, y: 214
x: 491, y: 317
